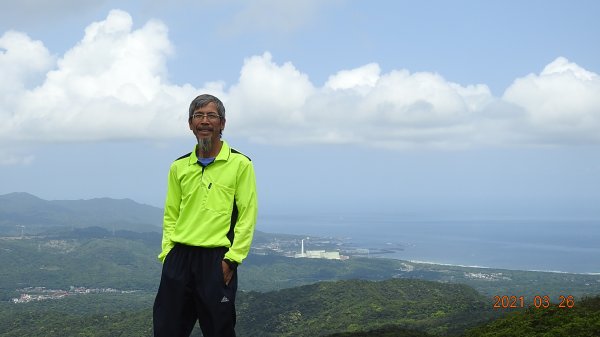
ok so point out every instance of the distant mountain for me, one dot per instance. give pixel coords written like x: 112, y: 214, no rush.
x: 37, y: 215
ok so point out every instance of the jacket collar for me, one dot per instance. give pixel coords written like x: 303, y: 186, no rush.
x: 224, y: 154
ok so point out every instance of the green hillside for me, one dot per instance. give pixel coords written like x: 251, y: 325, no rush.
x: 359, y: 305
x: 583, y: 320
x: 91, y: 257
x: 390, y: 331
x: 312, y: 310
x: 133, y: 323
x: 130, y: 315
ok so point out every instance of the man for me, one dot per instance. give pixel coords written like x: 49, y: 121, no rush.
x: 209, y: 219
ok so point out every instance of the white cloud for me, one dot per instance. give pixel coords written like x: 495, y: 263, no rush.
x: 366, y: 76
x: 562, y: 103
x: 21, y: 59
x: 268, y: 97
x: 279, y: 104
x: 113, y: 85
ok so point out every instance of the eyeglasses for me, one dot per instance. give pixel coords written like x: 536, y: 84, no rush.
x: 211, y: 116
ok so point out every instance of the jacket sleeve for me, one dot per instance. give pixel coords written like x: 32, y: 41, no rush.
x: 172, y: 203
x: 247, y: 205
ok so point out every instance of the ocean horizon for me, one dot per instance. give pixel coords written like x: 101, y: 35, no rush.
x: 551, y: 245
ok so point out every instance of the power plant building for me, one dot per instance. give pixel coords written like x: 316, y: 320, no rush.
x: 318, y: 254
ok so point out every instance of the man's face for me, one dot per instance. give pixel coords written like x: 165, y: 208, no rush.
x: 204, y: 127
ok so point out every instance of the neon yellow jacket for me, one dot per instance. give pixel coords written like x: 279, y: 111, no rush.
x: 211, y: 206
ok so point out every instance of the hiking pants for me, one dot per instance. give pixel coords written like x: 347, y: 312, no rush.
x: 192, y: 288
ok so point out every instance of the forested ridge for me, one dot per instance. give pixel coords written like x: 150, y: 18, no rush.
x: 354, y: 308
x: 311, y: 310
x: 580, y: 321
x: 329, y: 307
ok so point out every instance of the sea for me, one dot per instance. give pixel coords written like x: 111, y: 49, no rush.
x: 557, y: 245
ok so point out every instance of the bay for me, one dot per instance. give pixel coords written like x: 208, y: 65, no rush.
x: 561, y: 245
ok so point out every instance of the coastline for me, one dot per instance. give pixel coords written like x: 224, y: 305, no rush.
x: 521, y: 245
x: 496, y: 268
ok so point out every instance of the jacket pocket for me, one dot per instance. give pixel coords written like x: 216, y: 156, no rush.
x: 220, y: 198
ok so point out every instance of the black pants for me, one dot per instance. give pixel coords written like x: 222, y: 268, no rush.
x: 192, y: 288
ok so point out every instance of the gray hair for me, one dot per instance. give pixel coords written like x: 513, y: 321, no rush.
x: 203, y: 100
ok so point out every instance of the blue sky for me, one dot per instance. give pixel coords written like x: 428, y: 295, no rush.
x: 432, y: 107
